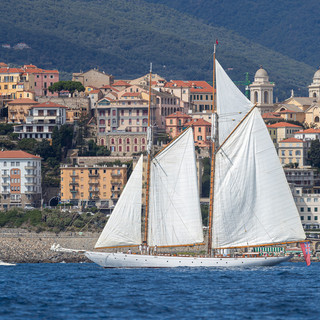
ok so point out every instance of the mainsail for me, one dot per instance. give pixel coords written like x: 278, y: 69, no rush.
x: 124, y: 225
x: 174, y: 211
x: 253, y: 204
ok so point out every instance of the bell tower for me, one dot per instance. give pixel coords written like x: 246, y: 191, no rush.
x: 261, y: 91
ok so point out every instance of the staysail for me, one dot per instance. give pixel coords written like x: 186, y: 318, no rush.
x: 174, y: 211
x: 124, y: 225
x: 232, y: 105
x: 253, y: 204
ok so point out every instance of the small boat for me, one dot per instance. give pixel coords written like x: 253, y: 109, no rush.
x: 2, y: 263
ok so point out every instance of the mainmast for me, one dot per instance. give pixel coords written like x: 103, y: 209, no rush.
x: 214, y: 145
x: 149, y: 147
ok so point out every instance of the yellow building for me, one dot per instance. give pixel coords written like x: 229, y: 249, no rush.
x: 98, y: 186
x: 282, y: 130
x: 294, y: 151
x: 9, y: 81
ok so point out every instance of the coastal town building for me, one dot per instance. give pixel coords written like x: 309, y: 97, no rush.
x: 93, y: 77
x: 308, y: 134
x: 41, y: 121
x: 282, y: 130
x: 308, y: 205
x: 176, y: 123
x: 77, y: 106
x: 126, y: 143
x: 314, y: 87
x: 20, y: 179
x: 294, y: 151
x: 96, y: 185
x: 261, y: 91
x: 18, y: 110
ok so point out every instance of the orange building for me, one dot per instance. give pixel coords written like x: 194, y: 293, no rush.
x: 201, y: 132
x: 95, y: 185
x: 18, y: 110
x: 176, y: 122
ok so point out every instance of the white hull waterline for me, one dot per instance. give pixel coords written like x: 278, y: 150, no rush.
x: 123, y: 260
x: 6, y: 263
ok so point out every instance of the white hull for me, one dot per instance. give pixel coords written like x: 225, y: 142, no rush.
x: 122, y: 260
x: 6, y: 263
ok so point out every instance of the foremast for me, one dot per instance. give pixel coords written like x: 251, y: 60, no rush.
x: 214, y: 146
x: 149, y: 148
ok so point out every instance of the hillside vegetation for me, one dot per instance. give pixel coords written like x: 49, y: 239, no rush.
x: 121, y: 37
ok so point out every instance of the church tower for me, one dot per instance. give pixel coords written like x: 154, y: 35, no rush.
x: 261, y: 91
x: 314, y: 88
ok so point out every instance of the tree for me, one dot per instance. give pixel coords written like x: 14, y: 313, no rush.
x: 70, y: 86
x: 314, y: 153
x: 27, y: 144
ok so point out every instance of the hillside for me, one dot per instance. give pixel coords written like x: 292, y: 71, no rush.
x: 122, y: 37
x: 286, y: 26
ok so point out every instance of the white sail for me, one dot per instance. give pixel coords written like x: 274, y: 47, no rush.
x: 232, y: 105
x: 174, y: 210
x: 253, y: 204
x: 124, y: 225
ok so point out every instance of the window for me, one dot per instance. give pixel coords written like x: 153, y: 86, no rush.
x: 315, y: 217
x: 290, y: 152
x: 199, y: 129
x: 309, y: 209
x: 301, y: 209
x: 309, y: 217
x: 18, y: 164
x: 283, y: 153
x: 315, y: 209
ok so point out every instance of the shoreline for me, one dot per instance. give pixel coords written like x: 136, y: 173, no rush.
x: 23, y: 246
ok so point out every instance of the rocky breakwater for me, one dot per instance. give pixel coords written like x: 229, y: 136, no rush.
x: 22, y: 246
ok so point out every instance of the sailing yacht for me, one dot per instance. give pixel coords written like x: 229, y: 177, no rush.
x: 251, y: 204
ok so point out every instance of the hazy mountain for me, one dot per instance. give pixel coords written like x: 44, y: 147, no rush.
x: 121, y: 37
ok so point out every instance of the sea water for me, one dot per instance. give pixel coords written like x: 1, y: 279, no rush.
x: 86, y: 291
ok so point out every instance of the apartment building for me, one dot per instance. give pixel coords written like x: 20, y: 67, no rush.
x: 19, y: 82
x: 18, y: 110
x: 308, y: 205
x: 41, y: 120
x: 282, y: 130
x: 294, y: 151
x: 93, y: 77
x: 20, y: 179
x: 94, y: 185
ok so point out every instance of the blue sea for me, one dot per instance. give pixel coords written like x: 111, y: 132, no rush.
x: 86, y: 291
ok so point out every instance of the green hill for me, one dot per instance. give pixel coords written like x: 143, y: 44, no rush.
x: 121, y: 37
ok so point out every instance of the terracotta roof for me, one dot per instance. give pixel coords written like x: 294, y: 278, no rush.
x: 291, y: 140
x: 15, y: 154
x: 94, y: 91
x: 271, y: 115
x: 195, y: 86
x: 121, y: 83
x: 309, y: 131
x: 23, y: 101
x: 38, y: 70
x: 199, y: 122
x: 48, y: 104
x: 2, y: 64
x: 131, y: 94
x: 11, y: 70
x: 288, y: 111
x: 178, y: 114
x: 107, y: 86
x: 282, y: 125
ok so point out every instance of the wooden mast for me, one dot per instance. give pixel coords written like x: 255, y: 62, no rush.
x: 149, y: 146
x: 213, y: 148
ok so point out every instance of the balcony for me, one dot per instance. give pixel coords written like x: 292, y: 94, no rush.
x: 5, y: 175
x: 15, y: 200
x: 74, y: 175
x: 30, y: 192
x: 5, y: 184
x: 30, y: 167
x: 73, y: 191
x: 116, y: 174
x: 30, y: 183
x: 5, y: 192
x: 94, y: 191
x: 93, y: 174
x: 30, y: 175
x: 94, y: 198
x: 73, y: 183
x: 116, y: 191
x: 95, y: 182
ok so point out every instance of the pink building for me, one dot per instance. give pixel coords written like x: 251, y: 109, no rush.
x: 42, y: 79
